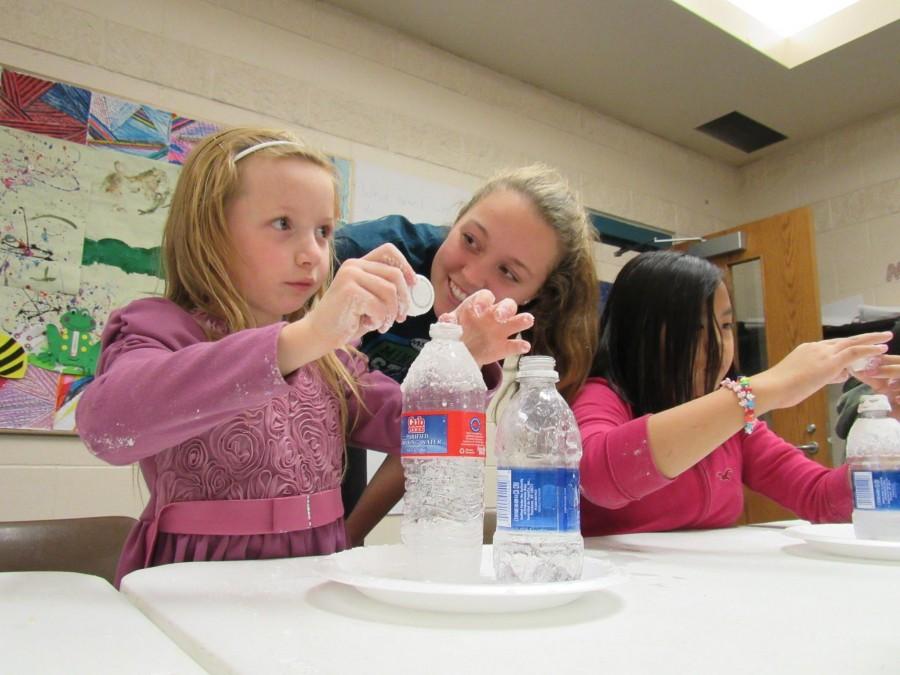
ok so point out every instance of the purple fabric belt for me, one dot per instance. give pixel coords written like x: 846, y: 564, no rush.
x: 236, y: 517
x: 252, y: 516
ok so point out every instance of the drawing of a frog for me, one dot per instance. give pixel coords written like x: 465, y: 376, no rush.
x: 72, y: 347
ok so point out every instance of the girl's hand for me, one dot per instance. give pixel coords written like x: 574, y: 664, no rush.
x: 811, y: 366
x: 368, y: 293
x: 489, y: 327
x: 883, y: 376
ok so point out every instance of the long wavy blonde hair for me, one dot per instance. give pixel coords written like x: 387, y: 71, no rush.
x: 196, y: 247
x: 566, y: 307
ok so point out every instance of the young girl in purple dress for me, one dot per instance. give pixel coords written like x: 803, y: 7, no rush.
x: 238, y: 391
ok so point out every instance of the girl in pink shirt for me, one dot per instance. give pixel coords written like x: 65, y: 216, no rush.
x: 238, y: 391
x: 665, y: 445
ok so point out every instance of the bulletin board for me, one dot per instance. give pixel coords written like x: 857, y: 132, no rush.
x: 86, y: 181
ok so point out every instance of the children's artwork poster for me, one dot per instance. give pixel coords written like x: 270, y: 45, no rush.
x: 86, y: 181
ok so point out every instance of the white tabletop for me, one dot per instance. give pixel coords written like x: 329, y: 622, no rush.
x: 59, y: 622
x: 745, y: 600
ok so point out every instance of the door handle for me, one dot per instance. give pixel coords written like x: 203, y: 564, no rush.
x: 809, y: 448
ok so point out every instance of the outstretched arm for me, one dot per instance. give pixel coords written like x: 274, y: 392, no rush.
x: 626, y: 458
x: 682, y: 436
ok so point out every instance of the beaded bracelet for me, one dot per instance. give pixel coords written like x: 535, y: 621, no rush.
x: 746, y: 399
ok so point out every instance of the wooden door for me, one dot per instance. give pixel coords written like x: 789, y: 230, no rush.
x: 777, y: 273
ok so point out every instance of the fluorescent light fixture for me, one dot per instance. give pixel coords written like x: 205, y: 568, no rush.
x: 792, y: 32
x: 789, y: 18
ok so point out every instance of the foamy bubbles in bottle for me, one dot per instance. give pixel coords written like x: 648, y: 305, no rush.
x: 443, y: 455
x: 873, y: 456
x: 538, y: 448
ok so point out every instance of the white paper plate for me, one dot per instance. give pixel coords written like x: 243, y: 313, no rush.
x: 380, y: 572
x: 839, y: 539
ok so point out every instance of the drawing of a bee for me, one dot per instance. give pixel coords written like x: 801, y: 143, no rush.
x: 13, y: 360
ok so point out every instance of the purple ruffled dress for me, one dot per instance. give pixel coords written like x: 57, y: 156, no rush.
x: 215, y: 420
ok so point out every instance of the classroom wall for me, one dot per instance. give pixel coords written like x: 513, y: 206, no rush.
x: 365, y: 92
x: 851, y: 180
x: 356, y: 90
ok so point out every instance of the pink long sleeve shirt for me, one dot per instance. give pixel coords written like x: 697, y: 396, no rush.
x: 216, y: 420
x: 623, y: 491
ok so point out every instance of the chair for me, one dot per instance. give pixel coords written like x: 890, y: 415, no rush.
x: 87, y: 545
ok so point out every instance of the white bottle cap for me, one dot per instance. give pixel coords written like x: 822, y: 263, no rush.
x: 421, y: 295
x: 873, y: 403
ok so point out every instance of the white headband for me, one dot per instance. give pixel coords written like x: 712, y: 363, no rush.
x: 266, y: 144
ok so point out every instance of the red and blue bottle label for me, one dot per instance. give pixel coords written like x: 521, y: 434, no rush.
x: 443, y: 433
x: 545, y: 499
x: 876, y: 490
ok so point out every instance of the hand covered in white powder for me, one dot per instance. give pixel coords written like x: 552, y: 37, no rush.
x: 368, y: 293
x: 490, y: 327
x: 882, y: 374
x: 811, y: 366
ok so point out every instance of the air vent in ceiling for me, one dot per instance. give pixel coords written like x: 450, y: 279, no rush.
x: 741, y: 132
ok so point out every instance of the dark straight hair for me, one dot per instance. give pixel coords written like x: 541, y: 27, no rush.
x: 659, y: 311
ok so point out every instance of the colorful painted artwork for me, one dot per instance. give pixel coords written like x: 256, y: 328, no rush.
x: 71, y: 348
x: 68, y: 391
x: 80, y: 232
x: 184, y: 135
x: 13, y: 360
x: 42, y: 107
x: 131, y: 186
x: 42, y: 212
x: 29, y: 403
x: 126, y: 217
x: 136, y: 129
x: 345, y: 176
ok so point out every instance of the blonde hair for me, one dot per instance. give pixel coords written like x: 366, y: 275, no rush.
x: 196, y: 246
x: 566, y: 307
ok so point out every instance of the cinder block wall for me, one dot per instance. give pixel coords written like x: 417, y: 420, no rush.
x: 366, y: 92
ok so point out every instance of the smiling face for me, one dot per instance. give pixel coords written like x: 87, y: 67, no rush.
x: 280, y: 222
x: 502, y: 244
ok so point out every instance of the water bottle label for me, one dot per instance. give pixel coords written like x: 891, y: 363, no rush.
x: 538, y: 499
x: 443, y: 433
x: 876, y: 490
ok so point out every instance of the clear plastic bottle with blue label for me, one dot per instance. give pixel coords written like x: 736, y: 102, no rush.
x: 443, y: 455
x: 873, y: 457
x: 538, y: 449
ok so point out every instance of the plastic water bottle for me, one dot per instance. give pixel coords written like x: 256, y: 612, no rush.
x: 873, y: 455
x: 538, y: 448
x: 443, y: 455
